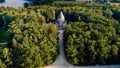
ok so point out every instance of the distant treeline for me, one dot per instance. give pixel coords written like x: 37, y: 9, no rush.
x: 2, y: 0
x: 41, y: 2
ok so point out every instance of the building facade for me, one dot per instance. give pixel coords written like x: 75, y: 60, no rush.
x: 61, y: 22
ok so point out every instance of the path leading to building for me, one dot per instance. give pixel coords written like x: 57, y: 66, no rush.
x: 61, y: 61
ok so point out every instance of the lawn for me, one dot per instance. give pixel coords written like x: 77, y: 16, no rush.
x: 75, y: 3
x: 68, y: 2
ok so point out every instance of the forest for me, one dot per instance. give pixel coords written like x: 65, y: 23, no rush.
x: 28, y: 36
x: 26, y: 39
x: 2, y: 0
x: 92, y: 36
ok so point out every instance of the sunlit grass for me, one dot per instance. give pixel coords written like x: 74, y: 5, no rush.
x: 76, y: 3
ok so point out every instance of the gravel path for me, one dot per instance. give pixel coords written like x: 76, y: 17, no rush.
x: 61, y: 61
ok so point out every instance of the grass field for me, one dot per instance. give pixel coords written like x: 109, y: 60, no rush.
x: 68, y: 2
x: 74, y: 3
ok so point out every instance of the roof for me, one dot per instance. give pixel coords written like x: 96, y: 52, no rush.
x: 61, y: 17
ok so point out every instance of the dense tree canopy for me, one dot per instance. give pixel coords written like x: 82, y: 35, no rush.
x: 27, y: 39
x: 2, y: 0
x: 32, y: 42
x: 41, y: 2
x: 92, y: 37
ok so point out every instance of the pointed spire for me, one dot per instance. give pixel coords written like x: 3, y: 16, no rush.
x: 61, y: 17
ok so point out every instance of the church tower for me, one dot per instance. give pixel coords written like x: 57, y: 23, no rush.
x: 61, y: 22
